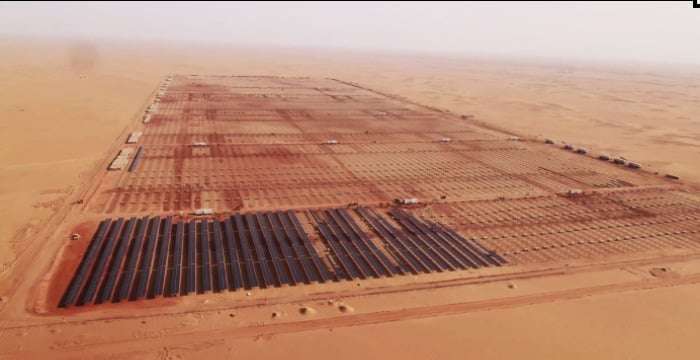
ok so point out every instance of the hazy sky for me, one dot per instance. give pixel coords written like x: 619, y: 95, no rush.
x: 640, y: 31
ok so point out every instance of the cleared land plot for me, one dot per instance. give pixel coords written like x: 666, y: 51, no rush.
x: 302, y: 175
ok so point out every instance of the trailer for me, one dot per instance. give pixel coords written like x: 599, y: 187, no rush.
x: 204, y: 211
x: 406, y: 201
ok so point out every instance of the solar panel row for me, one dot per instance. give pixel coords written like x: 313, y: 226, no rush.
x: 137, y: 159
x: 420, y: 258
x: 348, y: 271
x: 219, y: 258
x: 271, y: 253
x: 176, y: 263
x: 130, y: 267
x: 475, y: 258
x: 260, y: 254
x: 436, y: 262
x: 406, y: 260
x: 289, y: 255
x: 153, y: 257
x: 296, y: 233
x: 96, y: 276
x: 191, y: 253
x: 205, y: 267
x: 491, y: 256
x: 147, y: 259
x: 380, y: 261
x: 117, y: 260
x: 363, y: 269
x: 83, y: 269
x: 415, y: 249
x: 441, y: 257
x: 236, y: 269
x: 430, y: 246
x: 247, y: 256
x: 370, y: 263
x: 160, y: 268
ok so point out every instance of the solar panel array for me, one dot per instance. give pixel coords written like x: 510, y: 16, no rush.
x: 417, y: 247
x: 131, y: 259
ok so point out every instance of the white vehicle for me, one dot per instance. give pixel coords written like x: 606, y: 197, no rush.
x: 575, y: 192
x: 407, y: 201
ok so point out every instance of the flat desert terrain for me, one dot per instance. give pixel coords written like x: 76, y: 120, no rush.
x: 611, y: 275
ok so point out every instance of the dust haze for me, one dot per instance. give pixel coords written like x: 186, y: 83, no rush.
x: 83, y: 56
x: 619, y: 31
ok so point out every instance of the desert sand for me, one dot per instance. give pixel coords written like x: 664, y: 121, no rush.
x: 64, y: 104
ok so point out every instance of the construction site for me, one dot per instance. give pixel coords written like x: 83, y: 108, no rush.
x: 264, y: 182
x: 236, y: 193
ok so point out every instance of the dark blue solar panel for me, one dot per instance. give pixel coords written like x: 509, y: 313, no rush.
x: 236, y: 270
x: 472, y: 259
x: 206, y: 265
x: 260, y: 251
x: 409, y: 243
x: 290, y: 255
x: 248, y: 258
x: 147, y: 259
x: 176, y: 263
x: 350, y: 251
x: 368, y: 254
x: 86, y: 264
x: 130, y: 268
x: 404, y: 256
x: 160, y: 269
x: 96, y: 276
x: 308, y: 262
x: 272, y: 249
x: 219, y: 258
x: 191, y: 262
x: 344, y: 261
x: 117, y: 259
x: 362, y: 255
x: 294, y: 229
x: 380, y: 260
x: 484, y: 261
x: 438, y: 253
x: 263, y: 249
